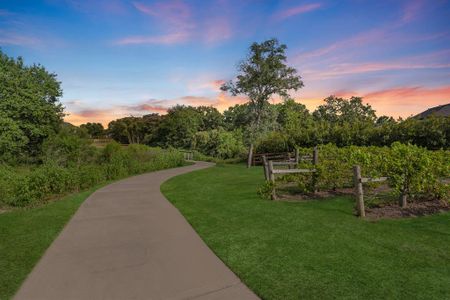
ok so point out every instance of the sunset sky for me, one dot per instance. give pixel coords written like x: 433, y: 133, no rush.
x: 117, y: 58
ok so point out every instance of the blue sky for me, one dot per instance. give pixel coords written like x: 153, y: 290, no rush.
x: 117, y: 58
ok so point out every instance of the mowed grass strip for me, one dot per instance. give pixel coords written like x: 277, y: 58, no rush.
x: 312, y: 250
x: 25, y: 234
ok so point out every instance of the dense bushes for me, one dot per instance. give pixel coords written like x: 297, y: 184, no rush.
x: 219, y: 143
x: 74, y: 169
x: 412, y: 171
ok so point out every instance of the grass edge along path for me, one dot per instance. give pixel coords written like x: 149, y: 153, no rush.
x: 26, y: 233
x: 312, y: 250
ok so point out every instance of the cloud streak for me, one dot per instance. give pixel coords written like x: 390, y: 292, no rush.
x: 403, y: 101
x: 16, y: 39
x: 296, y: 10
x: 179, y: 24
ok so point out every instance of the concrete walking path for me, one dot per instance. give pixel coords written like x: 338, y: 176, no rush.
x: 126, y: 241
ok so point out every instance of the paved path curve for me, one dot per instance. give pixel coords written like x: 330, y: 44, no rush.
x: 126, y: 241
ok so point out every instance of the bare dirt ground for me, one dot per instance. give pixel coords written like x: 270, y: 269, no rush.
x: 380, y: 204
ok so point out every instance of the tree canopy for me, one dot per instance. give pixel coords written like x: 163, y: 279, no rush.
x: 30, y: 110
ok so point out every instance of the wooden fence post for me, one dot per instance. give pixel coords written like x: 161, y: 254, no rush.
x: 359, y: 191
x: 250, y: 159
x: 272, y: 179
x: 297, y: 156
x: 266, y: 168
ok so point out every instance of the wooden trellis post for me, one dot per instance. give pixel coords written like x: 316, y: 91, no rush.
x: 359, y: 194
x: 266, y: 167
x: 272, y: 179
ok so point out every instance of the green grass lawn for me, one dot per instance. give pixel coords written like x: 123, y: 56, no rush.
x: 312, y: 250
x: 25, y: 234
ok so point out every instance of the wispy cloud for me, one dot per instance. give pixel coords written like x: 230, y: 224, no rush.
x: 432, y: 60
x: 174, y: 19
x: 167, y: 39
x: 412, y: 10
x: 296, y: 10
x: 178, y: 23
x: 13, y: 38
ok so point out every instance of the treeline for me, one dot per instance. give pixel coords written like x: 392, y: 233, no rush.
x: 342, y: 122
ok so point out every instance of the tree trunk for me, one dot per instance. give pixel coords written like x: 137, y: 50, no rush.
x: 250, y: 156
x: 402, y: 200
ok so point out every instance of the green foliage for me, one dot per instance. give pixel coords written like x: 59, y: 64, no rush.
x: 412, y: 170
x: 12, y: 139
x: 339, y: 110
x: 29, y: 106
x: 266, y: 190
x: 219, y: 143
x: 68, y: 149
x: 95, y: 130
x: 273, y: 142
x: 73, y: 169
x: 262, y: 75
x: 179, y: 126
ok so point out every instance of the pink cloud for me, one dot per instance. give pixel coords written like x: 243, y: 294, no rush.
x: 177, y: 22
x: 217, y: 29
x: 402, y: 101
x: 433, y: 60
x: 296, y: 10
x: 168, y: 39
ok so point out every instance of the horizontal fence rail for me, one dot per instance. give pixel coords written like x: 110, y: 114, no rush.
x: 270, y: 171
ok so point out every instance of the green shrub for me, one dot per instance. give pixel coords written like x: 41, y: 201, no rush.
x: 273, y: 142
x: 60, y: 176
x: 412, y: 170
x: 219, y: 143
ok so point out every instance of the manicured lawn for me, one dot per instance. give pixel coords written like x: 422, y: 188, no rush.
x: 25, y: 234
x: 312, y: 250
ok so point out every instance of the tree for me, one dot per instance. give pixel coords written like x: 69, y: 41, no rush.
x: 95, y: 130
x: 211, y: 117
x: 262, y: 75
x: 29, y: 103
x: 178, y: 127
x: 128, y: 130
x: 151, y: 124
x: 339, y: 110
x: 237, y: 116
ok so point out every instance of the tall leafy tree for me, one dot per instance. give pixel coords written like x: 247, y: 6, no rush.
x: 340, y: 110
x: 29, y: 104
x: 263, y: 75
x: 178, y: 127
x: 95, y: 130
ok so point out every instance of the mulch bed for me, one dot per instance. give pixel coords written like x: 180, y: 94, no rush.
x: 414, y: 209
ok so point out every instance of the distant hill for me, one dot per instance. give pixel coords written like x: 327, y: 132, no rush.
x: 441, y: 110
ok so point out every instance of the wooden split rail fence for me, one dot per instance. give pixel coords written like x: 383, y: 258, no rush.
x: 359, y: 191
x: 270, y: 171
